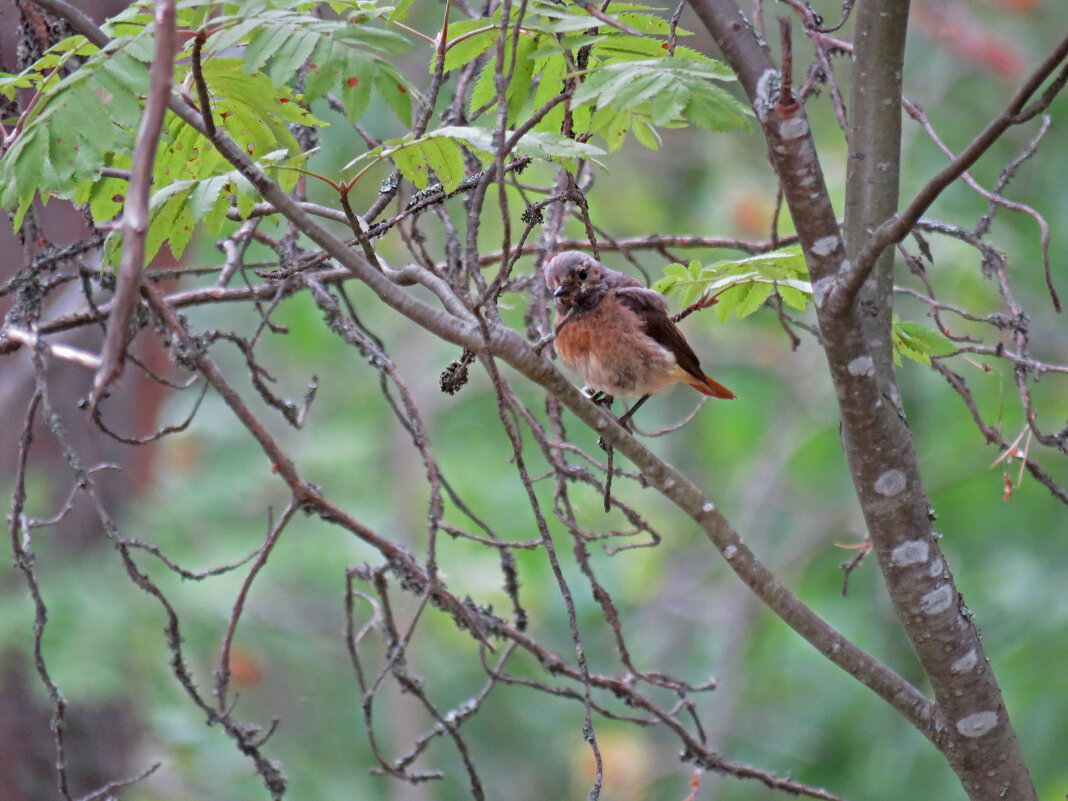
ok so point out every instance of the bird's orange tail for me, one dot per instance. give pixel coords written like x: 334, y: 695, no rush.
x: 710, y: 387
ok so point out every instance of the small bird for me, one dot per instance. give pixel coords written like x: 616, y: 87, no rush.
x: 616, y: 333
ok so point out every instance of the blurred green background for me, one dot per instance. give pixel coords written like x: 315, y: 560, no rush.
x: 771, y: 460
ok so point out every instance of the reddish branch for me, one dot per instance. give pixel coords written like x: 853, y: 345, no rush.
x: 135, y: 210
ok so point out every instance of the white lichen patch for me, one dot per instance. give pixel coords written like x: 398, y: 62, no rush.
x: 937, y: 568
x: 729, y: 552
x: 793, y: 128
x: 824, y: 246
x: 890, y: 483
x: 862, y: 365
x: 978, y: 723
x: 966, y: 662
x: 937, y: 600
x: 910, y: 553
x: 708, y: 508
x: 821, y: 288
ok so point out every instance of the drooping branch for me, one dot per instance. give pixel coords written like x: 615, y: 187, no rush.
x: 135, y: 211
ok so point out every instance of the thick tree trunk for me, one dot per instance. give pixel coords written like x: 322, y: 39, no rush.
x: 972, y: 728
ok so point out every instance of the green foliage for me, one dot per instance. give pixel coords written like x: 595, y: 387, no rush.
x: 193, y: 181
x: 264, y: 62
x: 741, y: 286
x: 630, y: 84
x: 77, y: 122
x: 919, y: 343
x: 65, y: 140
x: 439, y: 151
x: 346, y: 53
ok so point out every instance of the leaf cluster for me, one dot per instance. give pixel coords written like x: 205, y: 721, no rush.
x: 624, y: 79
x: 741, y: 286
x: 918, y: 342
x: 78, y: 126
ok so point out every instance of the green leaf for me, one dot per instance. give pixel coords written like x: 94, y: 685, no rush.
x: 920, y: 343
x: 400, y: 12
x: 648, y: 23
x: 394, y: 88
x: 713, y: 108
x: 411, y: 161
x: 742, y: 286
x: 645, y: 133
x: 291, y: 56
x: 664, y: 91
x: 335, y: 50
x: 793, y: 297
x: 106, y: 198
x: 325, y: 69
x: 468, y: 40
x: 444, y: 157
x: 613, y: 126
x: 263, y: 43
x: 689, y: 294
x: 753, y: 299
x: 76, y: 124
x: 356, y: 87
x: 730, y: 299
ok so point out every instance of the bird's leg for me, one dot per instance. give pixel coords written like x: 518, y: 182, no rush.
x: 625, y: 422
x: 625, y: 419
x: 601, y: 399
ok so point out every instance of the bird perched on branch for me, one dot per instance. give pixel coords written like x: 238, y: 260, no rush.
x: 617, y: 334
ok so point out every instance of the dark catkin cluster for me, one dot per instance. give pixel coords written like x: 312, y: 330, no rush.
x: 454, y: 377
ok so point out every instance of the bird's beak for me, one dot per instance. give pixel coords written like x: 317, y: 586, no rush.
x: 560, y: 290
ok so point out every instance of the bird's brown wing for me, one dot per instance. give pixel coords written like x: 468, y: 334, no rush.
x: 651, y: 308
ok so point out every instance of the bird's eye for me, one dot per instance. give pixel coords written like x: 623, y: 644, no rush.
x: 583, y: 274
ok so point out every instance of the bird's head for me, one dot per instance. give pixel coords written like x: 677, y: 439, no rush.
x: 576, y: 279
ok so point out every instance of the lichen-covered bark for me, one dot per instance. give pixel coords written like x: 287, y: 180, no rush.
x: 874, y: 166
x: 972, y: 728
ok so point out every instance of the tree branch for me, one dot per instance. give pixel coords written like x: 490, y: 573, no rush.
x: 972, y: 727
x: 135, y: 210
x: 896, y: 229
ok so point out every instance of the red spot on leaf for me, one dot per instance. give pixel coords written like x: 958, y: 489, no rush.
x: 401, y: 89
x: 664, y: 46
x: 283, y: 100
x: 250, y: 147
x: 118, y: 198
x: 353, y: 82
